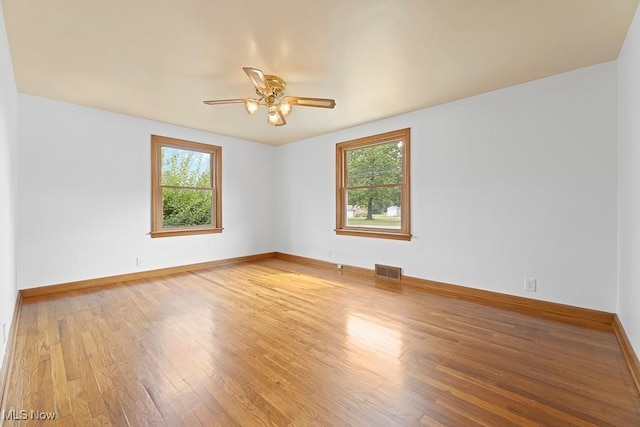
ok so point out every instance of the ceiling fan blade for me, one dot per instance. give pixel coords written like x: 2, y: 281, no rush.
x: 257, y: 77
x: 310, y: 102
x: 225, y: 101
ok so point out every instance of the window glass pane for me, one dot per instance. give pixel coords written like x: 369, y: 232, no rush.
x: 186, y: 168
x: 374, y: 207
x: 379, y: 164
x: 184, y: 207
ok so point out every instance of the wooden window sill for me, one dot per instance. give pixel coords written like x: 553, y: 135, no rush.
x: 185, y: 232
x: 379, y: 234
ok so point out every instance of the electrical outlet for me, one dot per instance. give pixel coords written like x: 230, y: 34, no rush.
x: 330, y: 253
x: 138, y: 262
x: 339, y: 266
x: 4, y: 333
x: 530, y: 284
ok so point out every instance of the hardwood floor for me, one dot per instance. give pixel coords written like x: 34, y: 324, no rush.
x: 278, y: 343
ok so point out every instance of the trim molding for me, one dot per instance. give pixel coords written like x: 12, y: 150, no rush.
x: 102, y: 281
x: 584, y: 316
x: 568, y: 313
x: 627, y: 350
x: 527, y: 305
x: 323, y: 264
x: 9, y: 354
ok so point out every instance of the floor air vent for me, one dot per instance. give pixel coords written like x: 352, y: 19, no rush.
x: 388, y: 272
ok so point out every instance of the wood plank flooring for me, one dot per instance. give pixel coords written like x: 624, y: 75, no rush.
x: 278, y: 343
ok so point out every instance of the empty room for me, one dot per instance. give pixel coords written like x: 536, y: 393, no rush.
x: 367, y: 213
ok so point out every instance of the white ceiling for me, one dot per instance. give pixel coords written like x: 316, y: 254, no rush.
x: 159, y: 59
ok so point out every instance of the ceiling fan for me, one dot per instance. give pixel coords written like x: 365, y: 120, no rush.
x: 270, y: 91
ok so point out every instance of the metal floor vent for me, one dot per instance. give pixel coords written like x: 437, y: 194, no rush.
x: 388, y: 272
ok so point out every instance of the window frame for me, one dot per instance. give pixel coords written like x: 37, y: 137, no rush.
x: 404, y: 233
x: 157, y: 223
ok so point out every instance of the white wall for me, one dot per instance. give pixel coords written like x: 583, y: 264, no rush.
x: 629, y: 184
x: 8, y: 184
x: 84, y: 196
x: 514, y: 183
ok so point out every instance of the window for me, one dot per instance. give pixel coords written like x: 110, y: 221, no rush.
x: 185, y: 187
x: 372, y: 186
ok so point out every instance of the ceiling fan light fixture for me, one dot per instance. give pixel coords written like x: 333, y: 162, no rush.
x: 275, y: 117
x: 251, y: 105
x: 285, y: 108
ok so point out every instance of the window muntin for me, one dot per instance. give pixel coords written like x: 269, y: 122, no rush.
x: 372, y: 186
x: 186, y: 190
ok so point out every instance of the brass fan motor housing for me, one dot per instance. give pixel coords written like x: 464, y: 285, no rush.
x: 277, y: 85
